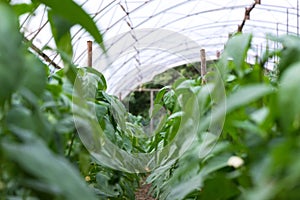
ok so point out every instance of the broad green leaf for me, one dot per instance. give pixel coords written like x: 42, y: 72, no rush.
x: 23, y: 8
x: 103, y: 186
x: 290, y: 53
x: 21, y: 120
x: 289, y: 98
x: 189, y: 177
x: 236, y: 49
x: 259, y: 116
x: 134, y: 130
x: 101, y: 79
x: 65, y: 125
x: 35, y: 75
x: 72, y: 12
x: 69, y: 70
x: 61, y: 32
x: 159, y: 96
x: 20, y: 117
x: 56, y: 172
x: 219, y: 187
x: 89, y: 83
x: 101, y: 110
x: 118, y: 110
x: 247, y: 94
x: 186, y: 84
x: 238, y: 99
x: 248, y: 127
x: 176, y: 114
x: 169, y: 100
x: 11, y: 53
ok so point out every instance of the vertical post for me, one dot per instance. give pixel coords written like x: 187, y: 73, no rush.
x: 151, y: 109
x: 218, y: 54
x: 90, y: 53
x: 277, y: 34
x: 203, y: 64
x: 257, y: 53
x: 277, y: 29
x: 297, y: 17
x: 287, y: 21
x: 261, y: 49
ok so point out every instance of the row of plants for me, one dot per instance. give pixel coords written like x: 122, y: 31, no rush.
x: 255, y: 156
x: 234, y: 137
x: 42, y: 156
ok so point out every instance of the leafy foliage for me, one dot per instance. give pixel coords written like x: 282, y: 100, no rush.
x: 42, y: 156
x: 261, y: 129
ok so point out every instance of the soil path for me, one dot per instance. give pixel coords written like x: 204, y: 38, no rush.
x: 142, y: 192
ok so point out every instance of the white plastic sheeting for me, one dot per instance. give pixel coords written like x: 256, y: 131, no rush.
x: 144, y: 38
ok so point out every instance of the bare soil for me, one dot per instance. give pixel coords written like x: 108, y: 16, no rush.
x: 143, y: 192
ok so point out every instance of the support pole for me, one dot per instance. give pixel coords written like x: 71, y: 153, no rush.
x: 277, y: 34
x: 297, y: 17
x: 151, y: 110
x: 287, y: 21
x: 203, y: 64
x: 218, y: 54
x: 90, y: 53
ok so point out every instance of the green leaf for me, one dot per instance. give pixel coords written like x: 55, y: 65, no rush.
x: 159, y: 96
x: 290, y: 53
x: 23, y: 8
x: 189, y: 178
x: 259, y: 116
x: 247, y: 94
x: 236, y: 49
x: 35, y: 77
x: 289, y: 98
x: 56, y: 172
x: 238, y: 99
x: 11, y: 53
x: 212, y: 189
x: 89, y: 83
x: 61, y: 31
x: 101, y: 110
x: 104, y: 187
x: 119, y: 112
x: 72, y: 12
x: 20, y: 117
x: 169, y: 100
x: 101, y: 79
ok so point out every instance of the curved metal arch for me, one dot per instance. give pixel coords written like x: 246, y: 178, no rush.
x: 202, y: 39
x: 216, y: 29
x: 184, y: 17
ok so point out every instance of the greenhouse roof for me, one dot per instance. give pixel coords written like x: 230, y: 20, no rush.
x: 145, y: 38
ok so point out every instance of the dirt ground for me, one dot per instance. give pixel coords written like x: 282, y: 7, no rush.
x: 142, y: 192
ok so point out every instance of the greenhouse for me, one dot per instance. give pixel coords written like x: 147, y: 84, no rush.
x: 149, y: 99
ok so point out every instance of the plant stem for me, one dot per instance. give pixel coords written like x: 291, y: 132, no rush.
x: 71, y: 145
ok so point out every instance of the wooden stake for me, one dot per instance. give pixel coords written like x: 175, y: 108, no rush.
x: 203, y: 64
x: 90, y: 53
x: 151, y: 109
x: 218, y: 54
